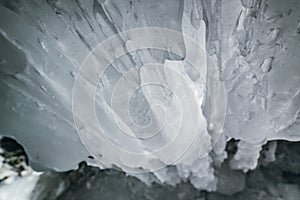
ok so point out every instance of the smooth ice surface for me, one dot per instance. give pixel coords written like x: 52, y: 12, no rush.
x: 246, y: 87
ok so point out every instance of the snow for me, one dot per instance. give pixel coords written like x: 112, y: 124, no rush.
x: 19, y: 189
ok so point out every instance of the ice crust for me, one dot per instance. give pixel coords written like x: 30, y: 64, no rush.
x: 252, y: 60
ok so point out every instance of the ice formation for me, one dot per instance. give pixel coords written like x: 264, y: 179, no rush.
x: 217, y: 70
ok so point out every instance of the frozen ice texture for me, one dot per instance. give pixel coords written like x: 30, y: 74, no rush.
x: 252, y: 48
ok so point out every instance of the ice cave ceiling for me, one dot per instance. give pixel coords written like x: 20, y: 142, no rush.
x: 179, y: 78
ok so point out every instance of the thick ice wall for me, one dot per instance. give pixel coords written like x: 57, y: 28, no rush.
x: 33, y: 98
x: 261, y: 73
x: 44, y: 44
x: 260, y: 68
x: 253, y: 52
